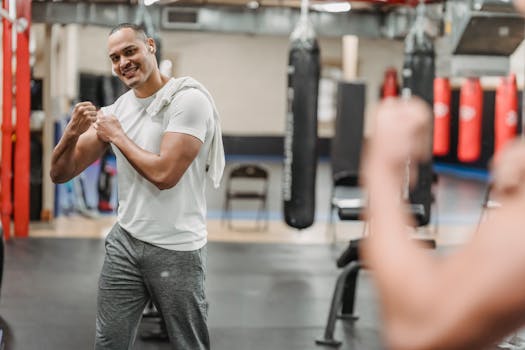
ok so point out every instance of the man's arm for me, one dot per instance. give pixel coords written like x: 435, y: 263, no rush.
x: 164, y: 170
x: 464, y: 301
x: 189, y: 112
x: 79, y: 145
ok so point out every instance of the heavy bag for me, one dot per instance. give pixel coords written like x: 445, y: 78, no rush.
x: 300, y: 143
x: 441, y: 116
x: 390, y: 87
x: 506, y: 112
x: 470, y: 117
x: 347, y: 141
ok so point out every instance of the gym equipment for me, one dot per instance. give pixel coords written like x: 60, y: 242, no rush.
x: 343, y: 298
x: 300, y: 143
x: 390, y: 87
x: 91, y: 88
x: 154, y: 329
x: 7, y: 126
x: 21, y: 87
x: 71, y: 196
x: 109, y: 95
x: 105, y: 182
x: 256, y: 190
x: 345, y: 157
x: 2, y: 260
x: 23, y: 111
x: 348, y: 131
x: 35, y: 178
x: 2, y: 256
x: 347, y: 197
x: 441, y: 116
x: 349, y: 274
x: 418, y: 80
x: 506, y: 112
x: 470, y: 118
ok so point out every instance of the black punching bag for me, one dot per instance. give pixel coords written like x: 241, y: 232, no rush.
x: 418, y: 80
x: 300, y: 144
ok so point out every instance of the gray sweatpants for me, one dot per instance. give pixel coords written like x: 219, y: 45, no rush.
x: 135, y: 271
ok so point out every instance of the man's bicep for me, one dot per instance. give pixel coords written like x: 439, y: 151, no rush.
x: 178, y: 150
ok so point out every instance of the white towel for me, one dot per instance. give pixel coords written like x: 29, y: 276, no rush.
x: 216, y: 155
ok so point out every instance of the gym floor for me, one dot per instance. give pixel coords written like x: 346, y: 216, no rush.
x: 267, y: 289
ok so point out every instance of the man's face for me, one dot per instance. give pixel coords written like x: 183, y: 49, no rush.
x: 132, y: 58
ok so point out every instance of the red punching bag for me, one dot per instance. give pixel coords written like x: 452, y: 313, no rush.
x: 506, y: 112
x: 441, y: 116
x: 390, y: 87
x: 470, y: 116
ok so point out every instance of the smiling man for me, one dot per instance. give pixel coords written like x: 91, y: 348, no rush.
x: 166, y: 137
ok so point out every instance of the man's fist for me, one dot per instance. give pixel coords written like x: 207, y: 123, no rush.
x: 508, y: 169
x: 84, y: 114
x: 402, y: 130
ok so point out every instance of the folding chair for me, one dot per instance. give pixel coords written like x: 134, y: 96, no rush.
x: 247, y: 182
x: 347, y: 200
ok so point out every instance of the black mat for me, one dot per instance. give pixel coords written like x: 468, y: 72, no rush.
x: 262, y: 296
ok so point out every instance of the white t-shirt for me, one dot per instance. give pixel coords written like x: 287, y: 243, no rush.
x: 174, y: 218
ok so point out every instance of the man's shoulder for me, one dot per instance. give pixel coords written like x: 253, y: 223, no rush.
x: 190, y: 93
x: 187, y: 94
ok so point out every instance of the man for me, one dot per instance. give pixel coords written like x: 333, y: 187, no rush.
x: 166, y: 138
x: 467, y: 300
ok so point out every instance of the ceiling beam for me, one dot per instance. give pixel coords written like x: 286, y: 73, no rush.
x: 226, y: 19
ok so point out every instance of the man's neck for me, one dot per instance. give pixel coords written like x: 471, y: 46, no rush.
x: 154, y: 84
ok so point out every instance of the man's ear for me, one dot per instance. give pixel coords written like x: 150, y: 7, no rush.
x: 151, y: 45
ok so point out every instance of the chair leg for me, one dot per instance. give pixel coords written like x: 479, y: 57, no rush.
x: 230, y: 214
x: 224, y: 211
x: 259, y: 215
x: 331, y: 230
x: 348, y: 298
x: 264, y: 215
x: 335, y: 306
x: 331, y: 226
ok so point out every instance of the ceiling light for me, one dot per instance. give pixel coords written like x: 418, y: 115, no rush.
x: 149, y: 2
x: 332, y: 7
x: 253, y: 5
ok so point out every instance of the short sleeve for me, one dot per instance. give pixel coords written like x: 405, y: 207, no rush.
x: 189, y: 113
x: 107, y: 110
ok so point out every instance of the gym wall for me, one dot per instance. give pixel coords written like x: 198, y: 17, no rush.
x: 246, y: 74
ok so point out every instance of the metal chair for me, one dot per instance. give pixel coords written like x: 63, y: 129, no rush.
x: 247, y: 182
x: 347, y: 200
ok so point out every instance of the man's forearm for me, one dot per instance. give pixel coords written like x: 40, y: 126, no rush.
x: 147, y: 164
x: 62, y: 159
x: 389, y: 222
x: 393, y: 257
x: 384, y: 186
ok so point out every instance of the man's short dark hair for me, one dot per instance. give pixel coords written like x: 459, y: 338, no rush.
x: 139, y: 30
